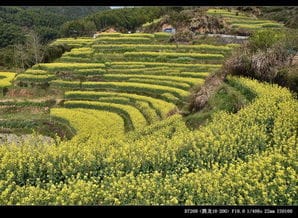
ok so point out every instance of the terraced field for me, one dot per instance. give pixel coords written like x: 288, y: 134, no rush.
x: 138, y: 77
x: 120, y: 92
x: 6, y: 80
x: 239, y: 20
x: 251, y: 154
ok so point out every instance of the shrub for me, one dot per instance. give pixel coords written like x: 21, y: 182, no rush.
x: 264, y: 39
x: 264, y: 57
x: 288, y: 77
x: 183, y: 36
x: 53, y: 52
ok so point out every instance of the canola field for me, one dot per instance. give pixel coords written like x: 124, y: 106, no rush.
x: 138, y: 77
x: 119, y: 91
x: 238, y: 20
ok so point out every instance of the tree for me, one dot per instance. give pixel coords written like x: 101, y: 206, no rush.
x: 89, y: 27
x: 126, y: 19
x: 47, y: 34
x: 35, y: 47
x: 72, y: 29
x: 20, y: 56
x: 30, y: 53
x: 10, y: 34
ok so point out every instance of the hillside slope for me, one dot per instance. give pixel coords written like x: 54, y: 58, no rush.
x: 114, y: 109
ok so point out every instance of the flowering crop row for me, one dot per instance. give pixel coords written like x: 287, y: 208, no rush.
x: 132, y: 117
x: 35, y: 78
x: 173, y: 55
x: 161, y: 107
x: 149, y: 89
x: 91, y: 123
x: 36, y: 72
x: 172, y: 65
x: 122, y: 40
x: 159, y: 71
x: 66, y: 66
x: 190, y: 81
x: 203, y: 48
x: 6, y: 78
x: 240, y: 20
x: 236, y: 159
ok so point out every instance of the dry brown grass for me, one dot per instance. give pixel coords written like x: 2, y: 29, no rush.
x: 200, y: 99
x: 20, y: 93
x: 263, y: 65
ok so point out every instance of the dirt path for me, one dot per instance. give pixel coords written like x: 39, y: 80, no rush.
x: 36, y: 100
x: 28, y: 138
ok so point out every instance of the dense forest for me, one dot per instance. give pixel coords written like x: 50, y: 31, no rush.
x: 18, y: 25
x: 46, y: 22
x: 26, y: 32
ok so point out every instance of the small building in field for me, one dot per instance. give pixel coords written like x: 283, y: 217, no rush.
x: 168, y: 29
